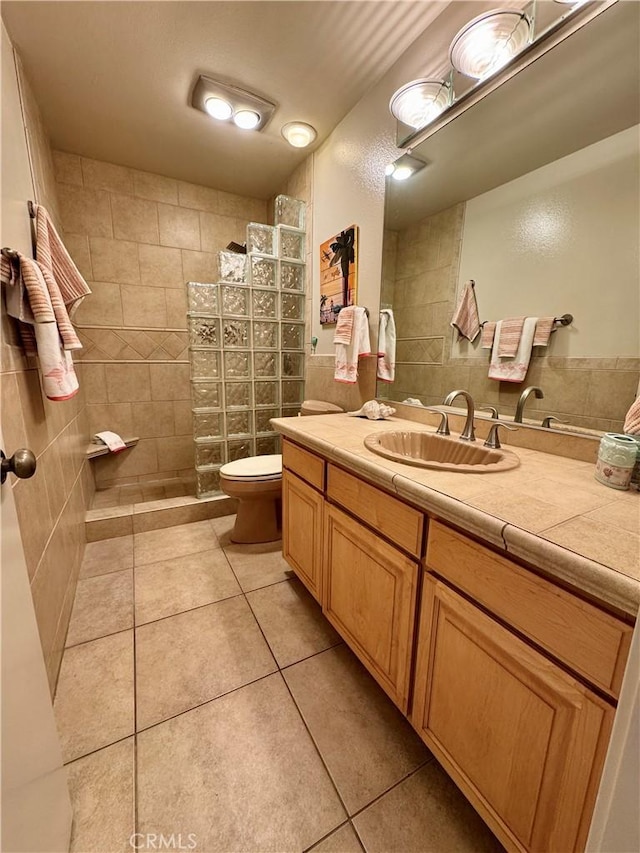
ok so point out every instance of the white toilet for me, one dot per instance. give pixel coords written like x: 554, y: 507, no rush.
x: 257, y: 484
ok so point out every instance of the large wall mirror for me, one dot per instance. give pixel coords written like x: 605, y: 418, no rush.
x: 534, y: 194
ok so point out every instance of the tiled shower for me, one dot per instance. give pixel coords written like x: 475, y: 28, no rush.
x: 247, y: 344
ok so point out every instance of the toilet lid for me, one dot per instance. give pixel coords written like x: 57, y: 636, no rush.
x: 254, y: 467
x: 319, y: 407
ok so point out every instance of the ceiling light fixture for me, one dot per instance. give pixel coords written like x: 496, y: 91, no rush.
x: 488, y: 42
x: 419, y: 102
x: 226, y: 102
x: 404, y: 167
x: 299, y: 134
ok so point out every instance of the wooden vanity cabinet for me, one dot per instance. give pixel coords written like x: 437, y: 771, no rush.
x: 370, y: 590
x: 522, y: 738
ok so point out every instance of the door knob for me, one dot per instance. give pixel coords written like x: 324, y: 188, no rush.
x: 22, y: 464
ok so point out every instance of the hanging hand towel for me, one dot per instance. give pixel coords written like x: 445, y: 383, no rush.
x: 632, y: 420
x: 488, y: 333
x: 59, y: 380
x: 387, y: 346
x: 512, y: 369
x: 55, y: 260
x: 510, y: 335
x: 466, y: 319
x: 347, y: 355
x: 344, y: 326
x: 544, y: 327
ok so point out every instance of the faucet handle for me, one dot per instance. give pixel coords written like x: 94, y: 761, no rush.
x: 547, y: 421
x: 485, y: 407
x: 493, y: 440
x: 443, y: 429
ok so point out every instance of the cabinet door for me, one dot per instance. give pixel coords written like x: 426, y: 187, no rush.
x: 302, y: 531
x: 370, y: 598
x: 523, y: 739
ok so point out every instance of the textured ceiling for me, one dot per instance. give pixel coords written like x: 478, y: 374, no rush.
x: 113, y: 78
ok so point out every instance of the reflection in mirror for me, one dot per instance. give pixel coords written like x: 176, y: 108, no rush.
x: 533, y: 194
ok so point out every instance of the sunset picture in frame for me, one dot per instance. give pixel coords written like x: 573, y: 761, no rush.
x: 338, y: 273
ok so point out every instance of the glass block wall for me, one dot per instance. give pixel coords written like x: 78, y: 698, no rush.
x: 246, y: 345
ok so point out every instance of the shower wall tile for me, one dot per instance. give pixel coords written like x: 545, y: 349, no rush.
x: 179, y: 227
x: 103, y: 308
x: 128, y: 383
x: 199, y: 266
x: 169, y: 381
x: 176, y: 301
x: 197, y: 197
x: 217, y: 231
x: 160, y: 266
x: 114, y: 260
x: 67, y: 168
x: 134, y: 219
x: 78, y: 247
x: 143, y: 306
x: 155, y: 187
x: 85, y: 211
x: 106, y: 176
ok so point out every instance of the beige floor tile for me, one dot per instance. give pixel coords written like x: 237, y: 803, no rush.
x: 291, y: 621
x: 364, y: 740
x: 107, y: 555
x: 173, y: 586
x: 343, y: 840
x: 101, y: 786
x: 424, y: 814
x: 253, y: 778
x: 191, y: 658
x: 256, y: 566
x: 223, y: 526
x: 103, y: 605
x: 156, y: 545
x: 94, y: 700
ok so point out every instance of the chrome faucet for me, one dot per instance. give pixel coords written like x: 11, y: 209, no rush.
x: 523, y: 399
x: 468, y: 433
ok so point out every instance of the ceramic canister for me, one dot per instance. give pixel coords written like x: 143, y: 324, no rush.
x: 616, y: 459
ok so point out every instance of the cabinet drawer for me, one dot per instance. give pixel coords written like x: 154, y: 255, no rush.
x: 593, y: 643
x: 370, y: 591
x: 393, y: 519
x: 304, y: 463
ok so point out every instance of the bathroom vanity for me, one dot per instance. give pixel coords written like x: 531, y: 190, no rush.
x: 505, y: 651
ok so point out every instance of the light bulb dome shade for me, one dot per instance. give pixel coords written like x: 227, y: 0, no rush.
x: 299, y: 134
x: 402, y: 173
x: 489, y: 42
x: 246, y: 119
x: 420, y: 102
x: 218, y: 108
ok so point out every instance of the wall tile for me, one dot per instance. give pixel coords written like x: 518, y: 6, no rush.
x: 37, y: 431
x: 144, y: 306
x: 155, y: 187
x: 218, y: 231
x: 198, y: 197
x: 253, y: 209
x: 34, y: 519
x: 612, y: 391
x: 103, y: 307
x: 129, y: 383
x: 183, y: 417
x: 85, y: 211
x: 134, y: 219
x: 175, y: 452
x: 160, y: 266
x: 107, y: 176
x: 179, y: 227
x: 78, y: 247
x: 169, y: 382
x: 152, y: 420
x: 114, y: 260
x: 68, y: 169
x: 117, y: 417
x: 142, y: 459
x: 176, y: 308
x: 199, y: 266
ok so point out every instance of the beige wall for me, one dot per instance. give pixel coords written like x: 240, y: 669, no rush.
x: 593, y: 393
x: 138, y: 238
x: 51, y: 505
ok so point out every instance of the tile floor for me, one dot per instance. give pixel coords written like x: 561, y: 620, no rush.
x: 203, y: 697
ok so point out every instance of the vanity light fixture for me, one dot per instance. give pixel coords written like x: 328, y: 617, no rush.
x: 419, y: 102
x: 489, y: 42
x: 404, y: 167
x: 226, y: 102
x: 299, y: 134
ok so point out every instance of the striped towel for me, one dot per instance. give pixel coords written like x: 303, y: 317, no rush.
x: 466, y: 319
x: 632, y: 420
x: 347, y: 355
x: 53, y: 258
x: 488, y: 332
x: 544, y: 327
x: 510, y: 334
x: 344, y: 327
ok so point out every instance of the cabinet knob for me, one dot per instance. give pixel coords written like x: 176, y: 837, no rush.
x: 22, y: 464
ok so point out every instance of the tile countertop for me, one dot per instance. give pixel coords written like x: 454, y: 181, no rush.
x: 550, y: 511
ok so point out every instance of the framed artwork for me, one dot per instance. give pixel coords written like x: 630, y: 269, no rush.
x: 338, y: 274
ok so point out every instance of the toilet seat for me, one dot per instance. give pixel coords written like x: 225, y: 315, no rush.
x: 254, y: 469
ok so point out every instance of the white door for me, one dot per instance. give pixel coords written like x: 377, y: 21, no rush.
x: 36, y: 809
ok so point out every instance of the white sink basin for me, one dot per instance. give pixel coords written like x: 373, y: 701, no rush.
x: 428, y: 450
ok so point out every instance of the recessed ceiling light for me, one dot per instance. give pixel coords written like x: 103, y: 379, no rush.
x: 488, y: 42
x: 218, y: 108
x: 246, y: 119
x: 299, y: 134
x: 419, y: 102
